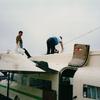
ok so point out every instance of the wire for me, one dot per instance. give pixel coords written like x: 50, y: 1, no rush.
x: 75, y: 38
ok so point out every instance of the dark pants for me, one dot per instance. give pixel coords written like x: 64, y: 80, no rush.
x: 27, y: 53
x: 51, y: 46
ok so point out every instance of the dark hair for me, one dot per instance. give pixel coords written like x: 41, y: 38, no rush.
x: 20, y: 31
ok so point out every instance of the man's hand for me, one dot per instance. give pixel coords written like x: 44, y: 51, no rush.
x: 56, y: 51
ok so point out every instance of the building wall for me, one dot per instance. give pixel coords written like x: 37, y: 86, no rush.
x: 89, y: 75
x: 54, y: 78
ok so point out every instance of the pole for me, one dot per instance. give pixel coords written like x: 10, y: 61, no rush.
x: 8, y: 78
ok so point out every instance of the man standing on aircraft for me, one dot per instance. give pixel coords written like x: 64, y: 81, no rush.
x: 52, y: 42
x: 19, y: 43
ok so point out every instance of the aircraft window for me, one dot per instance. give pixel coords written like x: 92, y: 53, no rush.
x: 39, y: 83
x: 92, y: 92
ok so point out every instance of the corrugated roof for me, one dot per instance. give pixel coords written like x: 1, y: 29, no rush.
x: 17, y: 62
x: 43, y: 63
x: 55, y: 61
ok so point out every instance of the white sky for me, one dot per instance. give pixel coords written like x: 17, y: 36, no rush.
x: 39, y: 19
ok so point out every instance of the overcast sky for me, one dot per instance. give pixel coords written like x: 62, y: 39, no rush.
x: 40, y: 19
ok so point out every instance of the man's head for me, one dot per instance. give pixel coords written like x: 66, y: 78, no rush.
x: 20, y: 33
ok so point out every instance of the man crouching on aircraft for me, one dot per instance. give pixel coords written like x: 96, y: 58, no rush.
x: 19, y: 43
x: 52, y: 42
